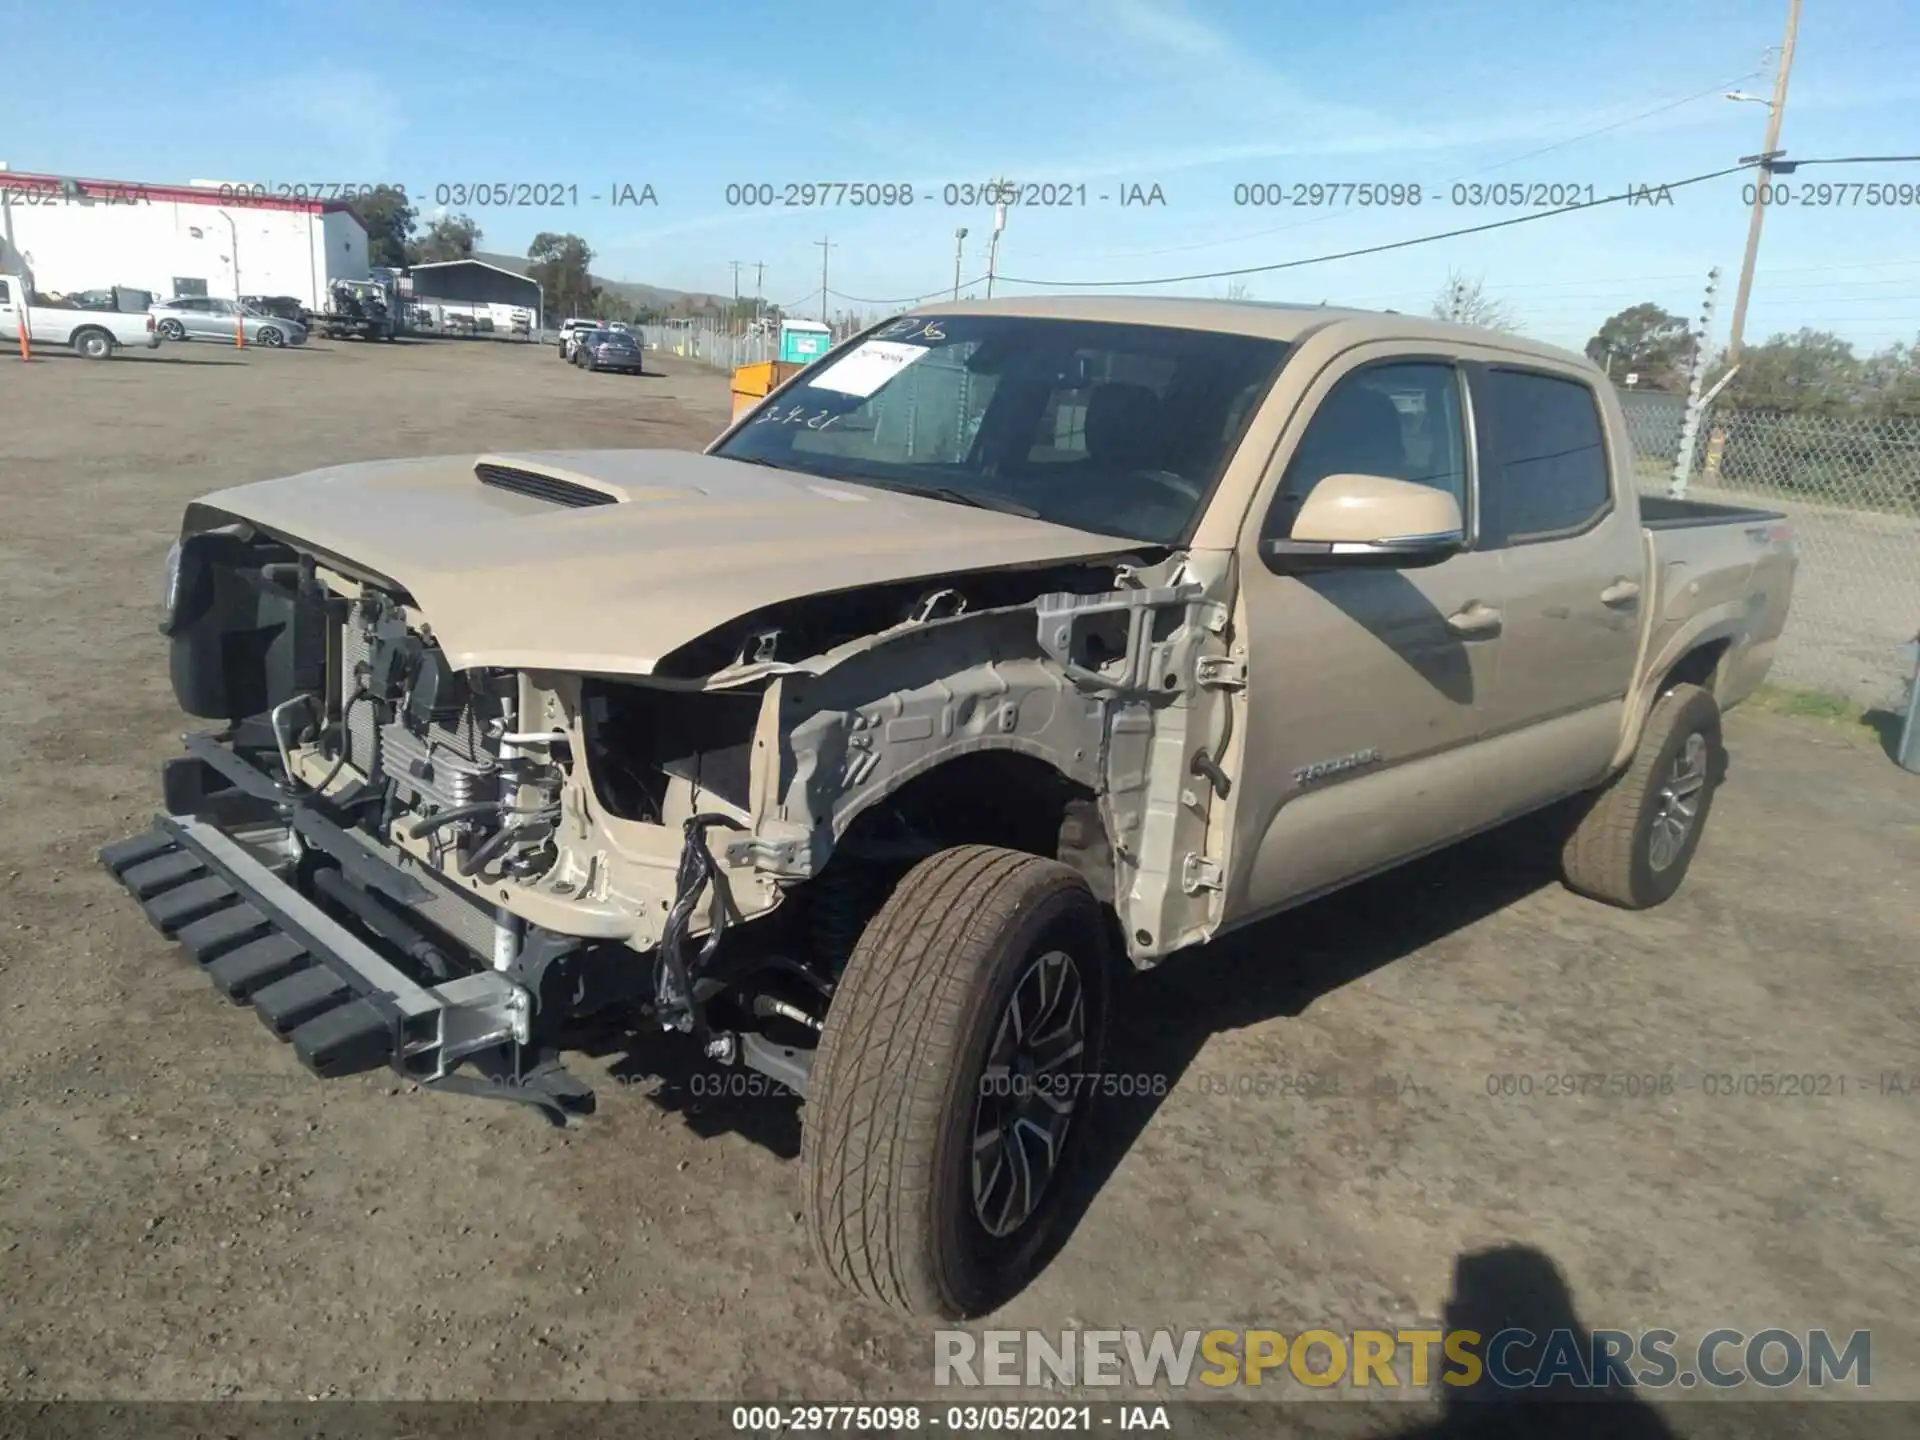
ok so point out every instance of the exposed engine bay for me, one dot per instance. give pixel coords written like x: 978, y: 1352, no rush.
x: 563, y: 845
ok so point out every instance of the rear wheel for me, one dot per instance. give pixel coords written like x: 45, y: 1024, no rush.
x: 171, y: 330
x: 1634, y: 841
x: 94, y: 344
x: 951, y: 1082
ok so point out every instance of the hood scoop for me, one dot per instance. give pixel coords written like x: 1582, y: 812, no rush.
x: 538, y: 486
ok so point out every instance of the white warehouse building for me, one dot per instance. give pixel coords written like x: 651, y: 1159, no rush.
x: 195, y: 239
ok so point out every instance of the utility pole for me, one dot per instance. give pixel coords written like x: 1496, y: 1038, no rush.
x: 1776, y: 111
x: 959, y: 245
x: 733, y: 315
x: 825, y: 245
x: 759, y: 288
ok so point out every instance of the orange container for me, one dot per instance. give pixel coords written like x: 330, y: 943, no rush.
x: 753, y: 383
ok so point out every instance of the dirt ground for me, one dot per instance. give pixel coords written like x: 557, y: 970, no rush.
x: 186, y: 1214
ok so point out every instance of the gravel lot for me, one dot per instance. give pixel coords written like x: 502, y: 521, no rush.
x: 185, y: 1214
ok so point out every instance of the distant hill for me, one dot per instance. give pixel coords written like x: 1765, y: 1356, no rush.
x: 642, y: 297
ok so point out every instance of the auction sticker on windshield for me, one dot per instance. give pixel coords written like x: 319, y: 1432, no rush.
x: 867, y: 368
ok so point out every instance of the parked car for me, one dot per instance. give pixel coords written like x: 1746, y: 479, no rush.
x: 863, y: 764
x: 609, y: 349
x: 202, y: 317
x: 570, y: 328
x: 93, y: 333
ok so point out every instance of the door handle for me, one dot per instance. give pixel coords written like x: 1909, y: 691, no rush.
x: 1621, y: 593
x: 1474, y: 619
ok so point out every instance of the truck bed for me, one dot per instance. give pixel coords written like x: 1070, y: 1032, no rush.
x: 1662, y: 512
x: 1719, y: 571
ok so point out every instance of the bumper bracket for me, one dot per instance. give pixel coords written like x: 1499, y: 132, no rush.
x: 341, y: 1005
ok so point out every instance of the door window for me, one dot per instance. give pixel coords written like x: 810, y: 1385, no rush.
x: 1399, y: 420
x: 1543, y: 458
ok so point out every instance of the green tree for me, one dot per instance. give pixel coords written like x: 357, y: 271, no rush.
x: 1809, y: 372
x: 451, y: 237
x: 1890, y: 379
x: 1647, y: 340
x: 389, y: 222
x: 561, y: 263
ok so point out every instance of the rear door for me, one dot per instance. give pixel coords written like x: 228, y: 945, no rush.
x: 1571, y: 567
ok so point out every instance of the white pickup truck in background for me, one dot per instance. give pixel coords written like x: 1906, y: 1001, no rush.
x: 92, y: 333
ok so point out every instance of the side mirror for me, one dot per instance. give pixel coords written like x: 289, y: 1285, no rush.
x: 1371, y: 520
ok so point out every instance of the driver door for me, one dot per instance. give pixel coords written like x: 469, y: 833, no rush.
x: 1365, y: 687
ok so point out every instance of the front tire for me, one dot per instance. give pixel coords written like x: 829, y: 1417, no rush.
x: 271, y: 337
x: 951, y: 1082
x: 1635, y: 840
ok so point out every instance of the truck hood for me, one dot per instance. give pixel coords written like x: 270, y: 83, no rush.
x: 605, y: 561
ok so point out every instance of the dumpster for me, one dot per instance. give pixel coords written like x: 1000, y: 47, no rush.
x: 753, y: 383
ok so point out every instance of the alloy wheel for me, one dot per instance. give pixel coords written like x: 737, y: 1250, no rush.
x: 1679, y: 803
x: 1028, y: 1093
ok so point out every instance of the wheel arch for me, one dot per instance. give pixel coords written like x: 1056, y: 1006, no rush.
x: 1694, y: 655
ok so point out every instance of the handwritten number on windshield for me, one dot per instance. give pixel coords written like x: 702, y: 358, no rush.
x: 798, y: 415
x: 911, y: 329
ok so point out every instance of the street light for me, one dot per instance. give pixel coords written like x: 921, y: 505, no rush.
x: 239, y: 309
x: 1747, y: 99
x: 993, y: 245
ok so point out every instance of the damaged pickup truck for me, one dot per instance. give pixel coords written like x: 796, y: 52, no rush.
x: 1006, y: 645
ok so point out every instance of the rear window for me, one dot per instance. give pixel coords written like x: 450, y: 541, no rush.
x: 1543, y: 458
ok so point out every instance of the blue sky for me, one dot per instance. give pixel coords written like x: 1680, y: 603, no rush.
x: 1194, y: 96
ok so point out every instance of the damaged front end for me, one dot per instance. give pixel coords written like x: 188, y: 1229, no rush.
x: 401, y: 863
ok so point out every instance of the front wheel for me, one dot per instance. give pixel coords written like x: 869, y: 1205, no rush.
x: 271, y: 337
x: 1634, y: 840
x: 952, y: 1082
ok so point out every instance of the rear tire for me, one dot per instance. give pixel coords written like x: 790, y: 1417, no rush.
x: 171, y: 330
x: 94, y: 344
x: 920, y: 1127
x: 1634, y: 841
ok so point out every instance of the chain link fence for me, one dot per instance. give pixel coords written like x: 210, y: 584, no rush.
x: 712, y: 343
x: 1850, y: 484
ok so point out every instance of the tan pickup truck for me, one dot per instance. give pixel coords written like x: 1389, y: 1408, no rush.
x: 1006, y: 644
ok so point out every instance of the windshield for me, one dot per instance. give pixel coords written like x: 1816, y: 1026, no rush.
x: 1118, y: 429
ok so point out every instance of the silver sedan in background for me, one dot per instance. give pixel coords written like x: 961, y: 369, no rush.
x: 202, y: 317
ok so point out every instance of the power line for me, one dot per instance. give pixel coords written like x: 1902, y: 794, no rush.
x: 1616, y: 125
x: 1392, y: 244
x: 905, y: 299
x: 1464, y: 175
x: 1624, y: 195
x: 1785, y: 165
